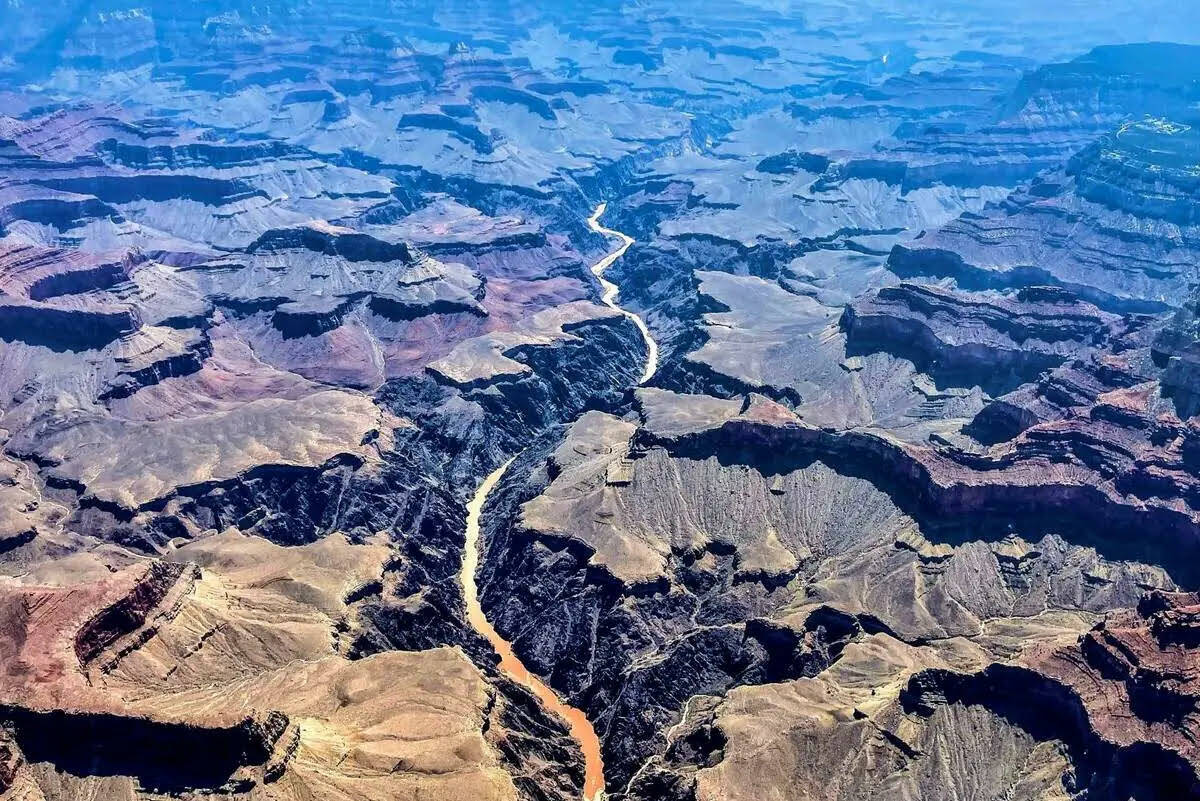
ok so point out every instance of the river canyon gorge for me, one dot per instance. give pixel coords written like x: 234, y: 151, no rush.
x: 580, y: 727
x: 481, y: 401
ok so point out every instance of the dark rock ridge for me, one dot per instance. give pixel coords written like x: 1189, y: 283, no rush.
x: 632, y: 654
x: 64, y: 328
x: 160, y: 756
x: 61, y: 299
x: 1122, y: 699
x: 966, y: 338
x: 350, y: 245
x: 1145, y: 168
x: 440, y: 122
x: 1095, y: 478
x: 1111, y: 227
x: 129, y: 613
x: 691, y: 617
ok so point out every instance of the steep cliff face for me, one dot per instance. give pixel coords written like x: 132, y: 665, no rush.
x: 908, y: 508
x: 961, y: 339
x: 1121, y: 699
x: 119, y: 684
x: 208, y: 350
x: 652, y: 590
x: 1113, y: 225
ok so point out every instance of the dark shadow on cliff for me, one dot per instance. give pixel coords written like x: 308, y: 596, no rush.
x: 161, y: 757
x: 1081, y: 514
x: 1047, y: 711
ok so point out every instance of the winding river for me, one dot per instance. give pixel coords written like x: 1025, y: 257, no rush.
x: 580, y: 727
x: 611, y: 290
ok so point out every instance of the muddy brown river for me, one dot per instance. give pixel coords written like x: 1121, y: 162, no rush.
x: 580, y: 727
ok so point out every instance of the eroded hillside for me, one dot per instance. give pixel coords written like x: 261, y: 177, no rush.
x: 835, y: 366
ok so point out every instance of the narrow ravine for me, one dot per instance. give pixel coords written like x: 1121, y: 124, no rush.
x: 611, y: 290
x: 580, y: 727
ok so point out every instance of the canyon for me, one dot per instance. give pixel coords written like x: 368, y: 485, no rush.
x: 405, y: 399
x: 578, y: 724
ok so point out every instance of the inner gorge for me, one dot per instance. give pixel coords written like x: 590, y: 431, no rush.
x: 415, y: 400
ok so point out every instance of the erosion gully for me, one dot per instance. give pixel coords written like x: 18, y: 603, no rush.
x: 580, y: 727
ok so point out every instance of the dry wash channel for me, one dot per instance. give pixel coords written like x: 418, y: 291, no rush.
x: 581, y: 728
